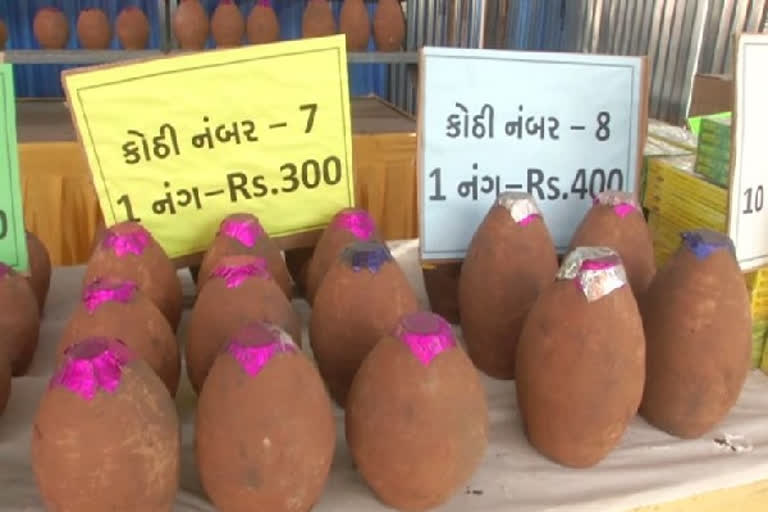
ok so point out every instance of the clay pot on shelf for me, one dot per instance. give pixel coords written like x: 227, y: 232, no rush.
x: 389, y: 26
x: 51, y: 28
x: 263, y: 26
x: 227, y: 25
x: 132, y: 28
x: 354, y: 22
x: 93, y: 29
x: 190, y: 25
x: 318, y: 20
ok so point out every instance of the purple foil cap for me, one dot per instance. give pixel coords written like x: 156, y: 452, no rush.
x: 5, y: 270
x: 520, y: 205
x: 623, y: 203
x: 247, y: 231
x: 366, y: 255
x: 95, y: 364
x: 235, y: 275
x: 703, y: 242
x: 256, y: 344
x: 426, y: 334
x: 133, y: 242
x: 357, y: 222
x: 105, y: 290
x: 597, y: 271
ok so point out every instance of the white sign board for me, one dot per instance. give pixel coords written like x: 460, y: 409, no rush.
x: 562, y: 127
x: 748, y: 211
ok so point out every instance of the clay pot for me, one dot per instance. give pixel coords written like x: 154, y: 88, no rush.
x: 227, y: 24
x: 19, y: 320
x: 242, y: 234
x: 318, y: 20
x: 240, y: 291
x: 117, y: 308
x: 265, y: 432
x: 616, y: 221
x: 389, y: 26
x: 93, y: 29
x: 133, y: 28
x: 510, y: 259
x: 417, y: 417
x: 360, y: 301
x: 698, y: 329
x: 51, y: 28
x: 585, y: 330
x: 263, y: 25
x: 354, y: 22
x: 190, y: 25
x: 5, y: 382
x: 39, y: 269
x: 347, y: 226
x: 106, y: 413
x: 128, y: 251
x: 3, y: 35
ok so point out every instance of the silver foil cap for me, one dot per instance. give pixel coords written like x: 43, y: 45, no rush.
x: 623, y: 203
x: 520, y: 205
x: 597, y: 271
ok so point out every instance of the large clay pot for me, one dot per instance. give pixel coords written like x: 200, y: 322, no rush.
x: 262, y: 26
x: 354, y: 22
x: 51, y: 28
x: 318, y: 20
x: 190, y: 25
x: 93, y: 29
x: 227, y: 25
x: 389, y: 26
x: 133, y: 28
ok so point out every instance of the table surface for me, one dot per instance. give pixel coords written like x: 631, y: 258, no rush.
x: 648, y: 467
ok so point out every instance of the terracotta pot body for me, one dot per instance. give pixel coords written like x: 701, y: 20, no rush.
x: 190, y: 25
x: 19, y: 320
x: 318, y: 20
x: 354, y: 22
x: 39, y: 269
x: 93, y: 29
x: 51, y: 28
x: 262, y: 25
x: 389, y: 26
x: 133, y: 29
x: 227, y: 25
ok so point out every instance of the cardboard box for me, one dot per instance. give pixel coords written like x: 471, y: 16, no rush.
x: 712, y: 94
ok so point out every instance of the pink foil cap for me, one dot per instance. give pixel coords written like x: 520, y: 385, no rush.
x: 235, y: 275
x: 623, y: 203
x: 5, y: 270
x: 257, y: 344
x: 596, y: 271
x: 247, y: 232
x: 426, y: 334
x: 93, y: 365
x: 102, y: 290
x: 357, y: 222
x: 520, y: 205
x: 128, y: 243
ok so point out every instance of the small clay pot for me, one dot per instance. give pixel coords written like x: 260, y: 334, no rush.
x: 19, y: 320
x: 190, y: 25
x: 227, y: 24
x: 318, y: 20
x: 106, y: 435
x: 354, y: 22
x: 242, y: 234
x: 263, y: 25
x: 3, y: 35
x: 39, y: 269
x: 133, y: 28
x: 93, y: 29
x: 51, y: 28
x: 389, y: 26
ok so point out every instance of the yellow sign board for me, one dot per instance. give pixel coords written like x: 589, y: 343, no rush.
x: 178, y: 143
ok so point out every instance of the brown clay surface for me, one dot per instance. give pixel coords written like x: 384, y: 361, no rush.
x: 442, y: 286
x: 190, y: 25
x: 227, y: 25
x: 354, y: 22
x: 5, y: 382
x: 262, y: 26
x: 132, y: 27
x: 389, y: 26
x: 19, y: 322
x: 93, y: 29
x: 39, y: 269
x: 318, y: 20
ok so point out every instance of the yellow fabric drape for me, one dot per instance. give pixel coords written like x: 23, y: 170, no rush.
x: 61, y: 208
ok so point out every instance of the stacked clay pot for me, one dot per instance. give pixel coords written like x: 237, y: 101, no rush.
x: 347, y: 226
x: 265, y: 432
x: 510, y: 259
x: 389, y: 26
x: 39, y: 269
x: 132, y: 27
x: 106, y: 435
x: 616, y: 221
x: 262, y: 25
x: 580, y: 366
x: 128, y: 251
x: 416, y: 416
x: 19, y: 321
x: 93, y: 29
x: 318, y: 20
x: 117, y: 308
x: 227, y: 24
x: 360, y: 300
x: 51, y: 28
x: 698, y: 328
x: 240, y: 290
x: 354, y: 23
x: 242, y: 234
x: 190, y: 25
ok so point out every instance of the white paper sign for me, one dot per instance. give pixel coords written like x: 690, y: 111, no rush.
x: 562, y: 127
x: 748, y: 208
